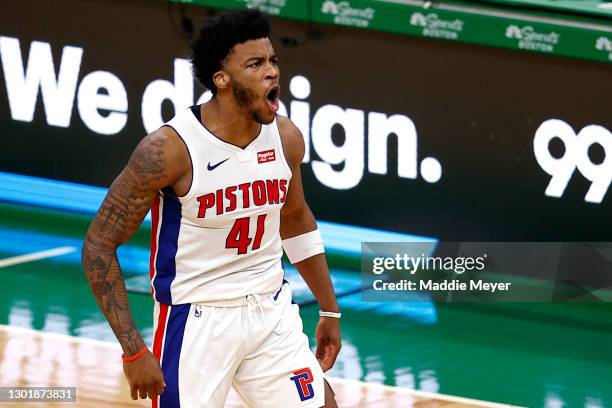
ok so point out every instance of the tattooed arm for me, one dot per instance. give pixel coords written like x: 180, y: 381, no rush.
x: 159, y: 160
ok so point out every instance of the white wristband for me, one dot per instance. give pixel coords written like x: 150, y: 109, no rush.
x: 303, y: 246
x: 330, y: 314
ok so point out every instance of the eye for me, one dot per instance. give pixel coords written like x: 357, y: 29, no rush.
x: 255, y: 64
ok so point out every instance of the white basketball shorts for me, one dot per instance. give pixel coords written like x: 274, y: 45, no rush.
x: 255, y: 344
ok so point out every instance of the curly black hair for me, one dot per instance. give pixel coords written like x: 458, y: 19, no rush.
x: 218, y: 36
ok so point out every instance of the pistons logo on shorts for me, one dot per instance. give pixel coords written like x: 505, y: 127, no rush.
x: 303, y: 381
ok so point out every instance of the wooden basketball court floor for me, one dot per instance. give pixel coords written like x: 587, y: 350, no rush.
x: 34, y: 358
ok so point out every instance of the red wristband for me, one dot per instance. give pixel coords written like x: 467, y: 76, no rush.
x: 136, y: 356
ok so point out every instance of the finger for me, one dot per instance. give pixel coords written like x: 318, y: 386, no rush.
x: 151, y: 392
x: 320, y: 352
x: 159, y: 387
x: 334, y: 350
x: 324, y: 361
x: 134, y: 392
x: 328, y: 361
x: 161, y: 383
x: 325, y: 365
x: 142, y: 392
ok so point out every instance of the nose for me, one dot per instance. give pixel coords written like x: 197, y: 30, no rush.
x: 272, y: 71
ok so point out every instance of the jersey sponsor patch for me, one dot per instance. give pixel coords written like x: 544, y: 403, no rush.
x: 266, y: 156
x: 303, y: 382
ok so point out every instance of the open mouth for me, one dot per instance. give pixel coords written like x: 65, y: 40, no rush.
x: 272, y: 97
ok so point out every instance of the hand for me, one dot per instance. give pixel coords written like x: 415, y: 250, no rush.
x: 145, y: 377
x: 328, y: 341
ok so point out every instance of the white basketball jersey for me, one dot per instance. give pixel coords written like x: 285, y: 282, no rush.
x: 221, y: 240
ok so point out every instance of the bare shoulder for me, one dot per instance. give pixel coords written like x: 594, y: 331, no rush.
x: 155, y: 163
x: 160, y: 158
x: 293, y: 141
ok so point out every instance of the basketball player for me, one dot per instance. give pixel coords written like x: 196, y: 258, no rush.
x: 223, y: 184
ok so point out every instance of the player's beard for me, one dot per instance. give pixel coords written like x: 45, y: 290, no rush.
x: 246, y: 98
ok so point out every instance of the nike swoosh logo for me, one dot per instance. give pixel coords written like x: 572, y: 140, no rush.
x: 214, y: 166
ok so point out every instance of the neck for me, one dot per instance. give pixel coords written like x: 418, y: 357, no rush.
x: 229, y: 122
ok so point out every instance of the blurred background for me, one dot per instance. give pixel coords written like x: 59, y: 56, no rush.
x: 423, y: 120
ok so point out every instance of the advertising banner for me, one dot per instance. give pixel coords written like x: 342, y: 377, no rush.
x: 434, y: 138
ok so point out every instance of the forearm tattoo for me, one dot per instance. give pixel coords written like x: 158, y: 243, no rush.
x: 126, y: 204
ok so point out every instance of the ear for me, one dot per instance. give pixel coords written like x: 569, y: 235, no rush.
x: 221, y: 80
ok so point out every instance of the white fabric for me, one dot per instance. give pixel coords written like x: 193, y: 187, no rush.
x: 303, y: 246
x: 206, y: 269
x: 256, y: 348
